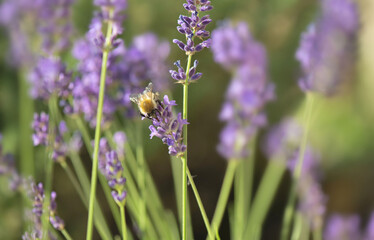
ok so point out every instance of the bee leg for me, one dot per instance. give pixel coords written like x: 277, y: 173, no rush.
x: 141, y: 114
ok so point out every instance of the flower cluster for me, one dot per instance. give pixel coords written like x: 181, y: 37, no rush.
x: 169, y: 128
x: 41, y: 136
x: 248, y: 91
x: 55, y: 220
x: 52, y: 21
x: 114, y: 174
x: 49, y: 77
x: 128, y: 71
x: 192, y: 27
x: 37, y: 195
x: 327, y: 48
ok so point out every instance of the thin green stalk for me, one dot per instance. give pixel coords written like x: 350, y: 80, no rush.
x: 26, y: 109
x: 184, y: 170
x: 288, y: 214
x: 74, y: 181
x: 123, y: 223
x: 317, y: 233
x: 66, y: 234
x: 264, y: 197
x: 224, y: 195
x: 98, y: 127
x: 52, y: 104
x: 200, y: 203
x: 140, y: 176
x: 243, y: 191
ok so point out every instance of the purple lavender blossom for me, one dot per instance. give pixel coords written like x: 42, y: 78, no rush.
x: 104, y: 148
x: 192, y: 27
x: 120, y: 139
x: 312, y: 201
x: 114, y: 175
x: 168, y: 127
x: 50, y: 77
x: 37, y: 195
x: 246, y: 96
x: 327, y: 47
x: 51, y: 19
x: 55, y: 220
x: 283, y: 140
x: 41, y: 136
x: 232, y: 45
x: 342, y: 227
x: 128, y: 72
x: 40, y: 126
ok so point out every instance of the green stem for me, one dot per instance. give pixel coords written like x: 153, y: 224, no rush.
x: 224, y: 195
x: 317, y: 233
x: 52, y: 104
x: 200, y: 203
x: 184, y: 170
x: 26, y: 109
x: 243, y: 191
x: 66, y: 234
x: 98, y: 127
x: 123, y: 223
x: 140, y: 176
x: 288, y: 214
x: 74, y: 181
x: 264, y: 197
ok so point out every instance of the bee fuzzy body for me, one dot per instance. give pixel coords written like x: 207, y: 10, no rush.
x: 147, y: 102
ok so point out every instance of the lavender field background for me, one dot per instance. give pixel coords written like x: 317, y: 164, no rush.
x: 342, y: 129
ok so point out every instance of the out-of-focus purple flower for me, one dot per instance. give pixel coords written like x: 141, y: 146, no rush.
x: 55, y: 220
x: 232, y: 44
x: 120, y: 140
x: 50, y: 18
x: 40, y: 126
x: 41, y: 136
x: 326, y: 50
x: 369, y: 234
x: 312, y: 201
x: 283, y: 140
x: 246, y: 96
x: 192, y: 27
x: 49, y: 77
x: 168, y: 127
x: 114, y: 175
x: 342, y: 227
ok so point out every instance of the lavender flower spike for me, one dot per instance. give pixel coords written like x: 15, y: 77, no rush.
x: 56, y: 221
x: 192, y: 27
x: 169, y: 127
x: 40, y: 126
x: 114, y: 175
x: 248, y: 91
x: 326, y: 49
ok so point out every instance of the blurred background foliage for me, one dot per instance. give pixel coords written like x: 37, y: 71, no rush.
x: 342, y: 130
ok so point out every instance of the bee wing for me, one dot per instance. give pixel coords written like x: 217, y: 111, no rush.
x: 134, y: 98
x: 149, y: 88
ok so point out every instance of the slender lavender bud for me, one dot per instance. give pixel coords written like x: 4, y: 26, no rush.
x: 326, y: 51
x: 40, y: 126
x: 55, y: 220
x: 114, y: 175
x: 120, y: 139
x: 246, y: 96
x: 41, y: 136
x: 193, y: 26
x: 168, y: 127
x: 342, y: 227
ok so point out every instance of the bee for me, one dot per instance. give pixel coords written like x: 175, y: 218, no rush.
x: 147, y: 102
